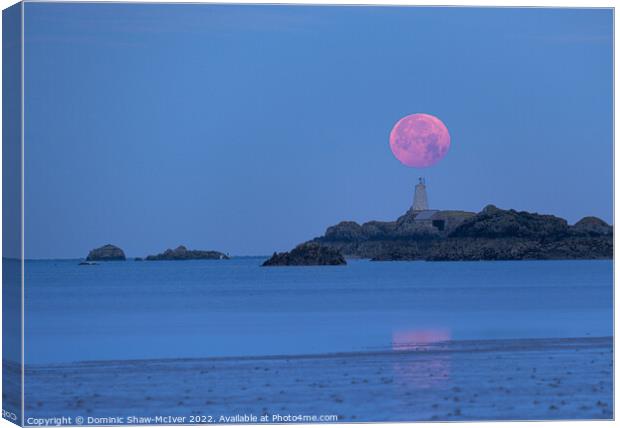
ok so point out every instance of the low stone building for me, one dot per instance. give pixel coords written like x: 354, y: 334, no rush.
x: 429, y: 221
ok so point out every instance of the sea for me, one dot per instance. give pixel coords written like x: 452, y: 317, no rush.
x: 136, y: 310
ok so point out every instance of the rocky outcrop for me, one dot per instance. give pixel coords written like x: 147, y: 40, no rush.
x: 307, y: 254
x: 407, y: 238
x: 491, y: 234
x: 495, y: 234
x: 431, y: 224
x: 493, y: 222
x: 182, y: 253
x: 469, y: 249
x: 106, y: 253
x: 591, y: 226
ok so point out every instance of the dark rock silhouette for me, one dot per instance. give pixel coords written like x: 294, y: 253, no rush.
x: 496, y: 234
x: 591, y: 226
x: 182, y: 253
x: 493, y: 222
x: 307, y: 254
x: 106, y: 253
x: 492, y: 234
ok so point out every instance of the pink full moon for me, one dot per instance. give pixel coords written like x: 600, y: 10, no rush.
x: 419, y: 140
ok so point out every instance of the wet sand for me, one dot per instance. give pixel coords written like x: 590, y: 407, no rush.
x: 468, y: 380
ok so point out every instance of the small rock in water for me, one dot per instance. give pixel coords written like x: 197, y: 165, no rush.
x: 307, y: 254
x: 106, y: 253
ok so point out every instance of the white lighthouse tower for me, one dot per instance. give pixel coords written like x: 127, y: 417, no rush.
x: 420, y: 200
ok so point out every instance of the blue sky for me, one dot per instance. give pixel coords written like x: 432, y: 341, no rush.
x: 249, y: 129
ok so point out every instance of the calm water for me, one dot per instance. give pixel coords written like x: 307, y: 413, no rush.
x: 133, y: 310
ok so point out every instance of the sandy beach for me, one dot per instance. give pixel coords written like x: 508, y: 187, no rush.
x: 459, y: 380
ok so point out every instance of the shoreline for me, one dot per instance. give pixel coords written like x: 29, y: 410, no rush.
x: 436, y: 348
x: 474, y: 380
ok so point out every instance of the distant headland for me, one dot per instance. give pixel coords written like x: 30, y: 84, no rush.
x: 445, y: 235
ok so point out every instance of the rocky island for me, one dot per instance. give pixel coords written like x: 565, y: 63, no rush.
x: 106, y: 253
x: 182, y: 253
x: 491, y: 234
x: 308, y: 254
